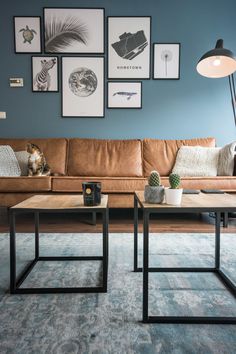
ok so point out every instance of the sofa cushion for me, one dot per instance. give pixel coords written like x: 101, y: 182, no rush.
x: 227, y: 183
x: 25, y: 184
x: 22, y: 158
x: 9, y: 165
x: 111, y: 158
x: 109, y: 184
x: 129, y: 185
x: 196, y: 161
x: 160, y: 155
x: 54, y: 149
x: 226, y: 160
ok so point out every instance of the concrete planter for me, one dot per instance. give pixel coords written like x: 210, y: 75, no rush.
x: 154, y: 195
x: 173, y: 196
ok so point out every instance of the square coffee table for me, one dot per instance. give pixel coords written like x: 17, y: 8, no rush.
x: 191, y: 203
x: 40, y: 204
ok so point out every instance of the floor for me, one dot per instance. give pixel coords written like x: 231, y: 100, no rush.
x: 120, y: 221
x: 111, y: 323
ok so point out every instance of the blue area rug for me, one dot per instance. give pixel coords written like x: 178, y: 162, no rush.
x: 111, y: 323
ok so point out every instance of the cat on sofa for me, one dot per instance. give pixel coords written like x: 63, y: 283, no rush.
x: 37, y: 165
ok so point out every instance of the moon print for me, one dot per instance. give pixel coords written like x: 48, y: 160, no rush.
x: 83, y: 82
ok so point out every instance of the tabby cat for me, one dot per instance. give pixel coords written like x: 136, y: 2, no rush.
x: 37, y: 165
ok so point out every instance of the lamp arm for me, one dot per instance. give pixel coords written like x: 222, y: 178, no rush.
x: 233, y: 94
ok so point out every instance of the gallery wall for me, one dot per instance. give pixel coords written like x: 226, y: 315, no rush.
x: 190, y: 107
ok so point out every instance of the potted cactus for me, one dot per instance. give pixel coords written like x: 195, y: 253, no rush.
x: 174, y: 193
x: 154, y: 191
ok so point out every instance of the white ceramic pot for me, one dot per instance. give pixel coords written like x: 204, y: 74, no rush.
x: 173, y: 196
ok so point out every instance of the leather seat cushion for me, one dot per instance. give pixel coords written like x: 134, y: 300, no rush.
x: 109, y: 184
x: 25, y: 184
x: 54, y: 149
x: 129, y: 184
x: 111, y: 158
x: 160, y: 155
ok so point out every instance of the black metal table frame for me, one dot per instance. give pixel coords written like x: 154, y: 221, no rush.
x: 17, y: 281
x: 146, y: 269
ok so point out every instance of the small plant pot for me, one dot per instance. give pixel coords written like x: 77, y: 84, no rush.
x: 173, y: 196
x: 154, y: 195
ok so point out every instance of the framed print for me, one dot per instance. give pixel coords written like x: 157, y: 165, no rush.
x: 124, y: 95
x: 78, y: 30
x: 83, y: 87
x: 27, y: 34
x: 129, y: 44
x: 166, y: 61
x: 44, y: 74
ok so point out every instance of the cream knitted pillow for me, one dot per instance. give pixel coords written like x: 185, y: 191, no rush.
x: 9, y: 166
x: 196, y: 161
x: 226, y: 160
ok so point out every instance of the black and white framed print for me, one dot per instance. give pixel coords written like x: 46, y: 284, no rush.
x: 44, y: 74
x: 27, y: 34
x: 78, y: 30
x: 82, y: 86
x: 129, y: 45
x: 166, y: 61
x: 124, y: 95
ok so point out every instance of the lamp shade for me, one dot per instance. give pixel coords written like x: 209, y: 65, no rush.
x: 218, y: 62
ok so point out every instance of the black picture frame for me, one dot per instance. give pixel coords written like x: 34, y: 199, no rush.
x: 129, y: 78
x: 16, y: 51
x: 179, y: 57
x: 32, y: 72
x: 62, y: 87
x: 102, y: 52
x: 123, y: 93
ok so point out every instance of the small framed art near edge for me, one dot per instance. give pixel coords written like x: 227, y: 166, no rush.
x: 166, y: 61
x: 124, y: 94
x: 27, y: 34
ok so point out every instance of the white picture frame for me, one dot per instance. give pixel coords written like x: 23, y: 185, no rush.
x: 129, y: 46
x: 45, y: 73
x: 86, y: 24
x: 27, y: 34
x: 166, y: 61
x: 124, y: 95
x: 83, y: 86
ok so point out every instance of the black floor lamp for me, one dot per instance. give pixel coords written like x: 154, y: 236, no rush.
x: 220, y: 62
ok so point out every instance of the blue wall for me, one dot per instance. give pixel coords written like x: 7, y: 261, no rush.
x: 191, y: 107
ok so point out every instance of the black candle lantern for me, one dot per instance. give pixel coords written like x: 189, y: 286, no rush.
x: 91, y: 193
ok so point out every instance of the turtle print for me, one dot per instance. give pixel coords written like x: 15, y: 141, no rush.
x: 28, y: 34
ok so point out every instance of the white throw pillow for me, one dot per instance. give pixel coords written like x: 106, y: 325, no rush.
x: 196, y: 161
x: 22, y: 158
x: 9, y: 166
x: 226, y: 160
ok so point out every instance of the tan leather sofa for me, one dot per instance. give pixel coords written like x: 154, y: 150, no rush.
x: 121, y: 165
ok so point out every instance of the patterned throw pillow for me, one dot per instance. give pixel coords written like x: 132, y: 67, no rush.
x: 226, y: 160
x: 196, y: 161
x: 9, y: 166
x: 22, y: 158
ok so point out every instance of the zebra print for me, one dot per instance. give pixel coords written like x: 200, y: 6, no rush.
x: 42, y: 80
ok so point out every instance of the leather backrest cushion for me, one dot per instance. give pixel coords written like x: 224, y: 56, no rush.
x: 111, y: 158
x: 54, y: 149
x: 160, y: 155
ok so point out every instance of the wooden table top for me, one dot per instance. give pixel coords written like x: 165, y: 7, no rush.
x: 58, y: 202
x: 191, y: 201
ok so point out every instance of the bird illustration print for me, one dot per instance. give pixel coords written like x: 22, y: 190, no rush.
x: 42, y: 80
x: 28, y: 34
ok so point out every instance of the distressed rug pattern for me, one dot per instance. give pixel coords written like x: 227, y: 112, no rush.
x: 111, y: 323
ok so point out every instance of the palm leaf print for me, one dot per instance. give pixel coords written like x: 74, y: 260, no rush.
x: 60, y: 34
